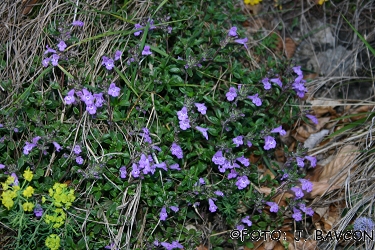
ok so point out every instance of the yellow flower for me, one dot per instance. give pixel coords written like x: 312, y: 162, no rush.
x: 28, y: 175
x: 9, y: 180
x: 43, y: 199
x: 320, y: 2
x: 28, y: 192
x: 53, y: 242
x: 252, y: 2
x: 7, y: 202
x: 28, y: 206
x: 16, y: 188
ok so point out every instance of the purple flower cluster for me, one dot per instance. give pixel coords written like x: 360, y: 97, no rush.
x: 92, y: 101
x: 297, y: 213
x: 109, y: 63
x: 299, y: 83
x: 184, y: 119
x: 301, y: 163
x: 77, y: 150
x: 61, y: 46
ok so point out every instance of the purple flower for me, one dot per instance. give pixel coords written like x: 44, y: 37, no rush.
x: 36, y: 139
x: 201, y: 181
x: 2, y: 166
x: 176, y: 151
x: 311, y: 159
x: 218, y: 158
x: 249, y: 144
x: 269, y: 142
x: 169, y: 29
x: 28, y: 147
x: 277, y: 81
x: 15, y: 182
x: 174, y: 208
x: 363, y: 224
x: 61, y: 45
x: 161, y: 165
x: 46, y: 61
x: 242, y: 41
x: 309, y: 211
x: 313, y: 118
x: 99, y: 100
x: 135, y: 171
x: 163, y: 214
x: 138, y: 26
x: 123, y: 172
x: 156, y: 243
x: 240, y: 227
x: 38, y: 210
x: 201, y: 108
x: 231, y: 94
x: 273, y: 206
x: 297, y: 70
x: 266, y: 83
x: 285, y: 176
x: 255, y: 99
x: 212, y: 207
x: 298, y: 192
x: 55, y: 59
x: 49, y: 50
x: 244, y: 161
x: 279, y: 130
x: 182, y: 114
x: 297, y: 215
x: 233, y: 31
x: 146, y: 51
x: 77, y: 149
x: 57, y: 146
x: 242, y: 182
x: 107, y: 62
x: 185, y: 124
x: 175, y: 244
x: 77, y: 23
x: 87, y: 97
x: 118, y: 55
x: 69, y: 99
x: 203, y: 131
x: 247, y: 221
x: 219, y: 193
x: 300, y: 162
x: 238, y: 140
x: 79, y: 160
x: 113, y: 90
x: 306, y: 185
x: 175, y: 166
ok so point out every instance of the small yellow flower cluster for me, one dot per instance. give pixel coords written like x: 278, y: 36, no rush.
x: 9, y: 193
x: 252, y: 2
x: 320, y: 2
x: 57, y: 219
x: 28, y: 175
x: 53, y: 242
x: 61, y: 195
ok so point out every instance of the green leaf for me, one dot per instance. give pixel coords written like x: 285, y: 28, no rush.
x: 75, y: 110
x: 174, y: 70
